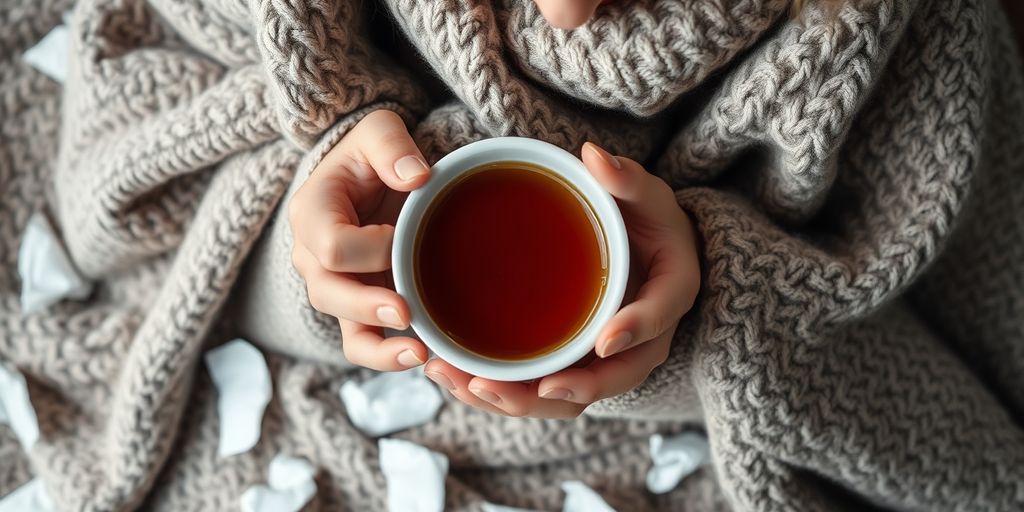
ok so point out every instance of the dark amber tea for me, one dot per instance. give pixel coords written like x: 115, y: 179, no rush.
x: 510, y: 261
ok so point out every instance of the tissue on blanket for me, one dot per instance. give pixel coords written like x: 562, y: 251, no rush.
x: 50, y: 55
x: 47, y: 275
x: 30, y: 497
x: 414, y: 474
x: 16, y: 408
x: 580, y: 498
x: 240, y: 374
x: 290, y: 487
x: 674, y: 458
x: 391, y: 401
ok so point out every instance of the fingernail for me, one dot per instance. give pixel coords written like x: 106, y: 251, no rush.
x: 604, y: 155
x: 617, y: 343
x: 486, y: 396
x: 409, y: 167
x: 441, y: 380
x: 557, y: 394
x: 408, y: 359
x: 390, y: 316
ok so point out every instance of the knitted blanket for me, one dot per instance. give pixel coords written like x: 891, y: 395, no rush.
x: 856, y: 175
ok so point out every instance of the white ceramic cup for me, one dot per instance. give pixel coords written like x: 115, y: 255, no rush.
x: 571, y: 170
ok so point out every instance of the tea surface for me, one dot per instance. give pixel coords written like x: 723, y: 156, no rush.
x: 509, y: 261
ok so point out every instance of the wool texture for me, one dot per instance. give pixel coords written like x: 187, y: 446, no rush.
x: 856, y: 175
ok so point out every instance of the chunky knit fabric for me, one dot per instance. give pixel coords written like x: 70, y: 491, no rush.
x: 857, y: 178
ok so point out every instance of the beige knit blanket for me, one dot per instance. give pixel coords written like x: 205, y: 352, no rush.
x: 857, y: 178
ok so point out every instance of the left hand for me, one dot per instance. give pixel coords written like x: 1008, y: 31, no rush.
x: 638, y: 338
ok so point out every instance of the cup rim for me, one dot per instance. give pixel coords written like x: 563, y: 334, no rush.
x: 567, y: 167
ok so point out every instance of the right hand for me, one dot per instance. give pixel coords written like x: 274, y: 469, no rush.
x: 343, y: 219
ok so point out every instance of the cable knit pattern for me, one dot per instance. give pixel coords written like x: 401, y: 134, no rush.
x: 856, y: 177
x: 320, y: 65
x: 460, y: 40
x: 640, y: 56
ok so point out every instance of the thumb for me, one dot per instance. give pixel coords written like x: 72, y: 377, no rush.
x: 648, y: 204
x: 663, y: 239
x: 628, y: 182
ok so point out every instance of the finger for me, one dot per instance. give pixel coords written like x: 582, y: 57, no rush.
x: 521, y: 399
x: 365, y: 346
x: 323, y: 213
x: 609, y: 377
x: 667, y: 295
x: 381, y: 147
x: 652, y: 214
x: 627, y: 180
x: 344, y: 296
x: 567, y: 15
x: 341, y: 246
x: 324, y: 220
x: 456, y: 382
x: 648, y: 204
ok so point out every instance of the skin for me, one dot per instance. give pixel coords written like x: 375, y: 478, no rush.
x: 568, y: 14
x: 343, y: 218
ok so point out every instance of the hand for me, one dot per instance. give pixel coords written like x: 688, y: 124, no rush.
x: 638, y: 338
x: 343, y: 220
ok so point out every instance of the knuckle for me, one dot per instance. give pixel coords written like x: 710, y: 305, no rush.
x: 328, y: 251
x: 351, y: 354
x: 316, y: 297
x: 385, y: 235
x: 384, y: 231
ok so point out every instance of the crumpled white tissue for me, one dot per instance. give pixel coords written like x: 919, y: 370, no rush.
x: 16, y: 408
x: 47, y: 275
x: 50, y: 54
x: 291, y: 486
x: 414, y: 474
x: 30, y: 497
x: 580, y: 498
x: 240, y: 374
x: 674, y: 458
x: 390, y: 402
x: 491, y: 507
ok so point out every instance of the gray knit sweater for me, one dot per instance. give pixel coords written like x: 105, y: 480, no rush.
x: 857, y: 178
